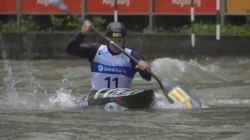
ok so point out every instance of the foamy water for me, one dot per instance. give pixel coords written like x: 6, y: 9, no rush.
x: 37, y: 102
x: 54, y: 85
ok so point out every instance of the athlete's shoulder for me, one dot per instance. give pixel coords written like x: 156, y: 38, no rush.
x: 95, y: 45
x: 137, y: 55
x: 90, y: 50
x: 103, y: 46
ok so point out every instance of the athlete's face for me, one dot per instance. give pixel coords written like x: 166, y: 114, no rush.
x: 119, y: 41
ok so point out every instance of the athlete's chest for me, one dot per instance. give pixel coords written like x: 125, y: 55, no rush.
x: 104, y: 56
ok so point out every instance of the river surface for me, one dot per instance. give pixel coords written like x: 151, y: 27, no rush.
x: 37, y: 99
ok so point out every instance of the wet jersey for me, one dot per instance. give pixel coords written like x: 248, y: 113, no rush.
x: 111, y: 71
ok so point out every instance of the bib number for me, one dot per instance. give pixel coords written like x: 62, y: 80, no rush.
x: 109, y: 80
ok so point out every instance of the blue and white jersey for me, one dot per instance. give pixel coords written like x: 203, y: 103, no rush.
x: 111, y: 71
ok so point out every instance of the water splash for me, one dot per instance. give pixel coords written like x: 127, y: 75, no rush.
x: 113, y: 107
x: 189, y: 72
x: 232, y: 102
x: 63, y: 99
x: 35, y: 95
x: 8, y: 81
x: 38, y: 95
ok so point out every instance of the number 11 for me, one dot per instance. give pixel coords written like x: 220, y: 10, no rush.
x: 115, y: 80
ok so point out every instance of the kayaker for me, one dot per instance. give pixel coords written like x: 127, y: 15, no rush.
x: 110, y: 68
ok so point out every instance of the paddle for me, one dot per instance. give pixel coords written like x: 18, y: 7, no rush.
x: 174, y: 93
x: 136, y: 61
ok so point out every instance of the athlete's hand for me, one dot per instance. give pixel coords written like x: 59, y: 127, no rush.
x: 142, y: 65
x: 86, y: 26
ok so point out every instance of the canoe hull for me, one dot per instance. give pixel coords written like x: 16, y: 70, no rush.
x: 130, y: 98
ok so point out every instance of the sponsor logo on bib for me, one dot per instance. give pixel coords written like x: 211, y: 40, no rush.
x: 100, y: 68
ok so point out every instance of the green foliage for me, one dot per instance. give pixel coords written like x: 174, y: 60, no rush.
x: 74, y: 23
x: 67, y: 23
x: 27, y: 25
x: 9, y: 26
x: 99, y: 23
x: 52, y: 23
x: 204, y: 28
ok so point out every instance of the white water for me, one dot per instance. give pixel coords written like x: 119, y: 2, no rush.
x: 55, y: 85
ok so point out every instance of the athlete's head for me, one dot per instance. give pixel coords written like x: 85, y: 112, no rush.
x: 117, y: 32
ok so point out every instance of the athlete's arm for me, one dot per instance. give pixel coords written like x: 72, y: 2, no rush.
x: 75, y: 47
x: 144, y: 74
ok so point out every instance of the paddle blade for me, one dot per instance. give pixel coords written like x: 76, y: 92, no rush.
x: 176, y: 93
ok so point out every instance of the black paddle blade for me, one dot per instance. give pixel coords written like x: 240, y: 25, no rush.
x: 176, y: 93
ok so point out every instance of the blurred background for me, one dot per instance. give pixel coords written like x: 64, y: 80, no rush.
x: 37, y: 98
x: 158, y: 16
